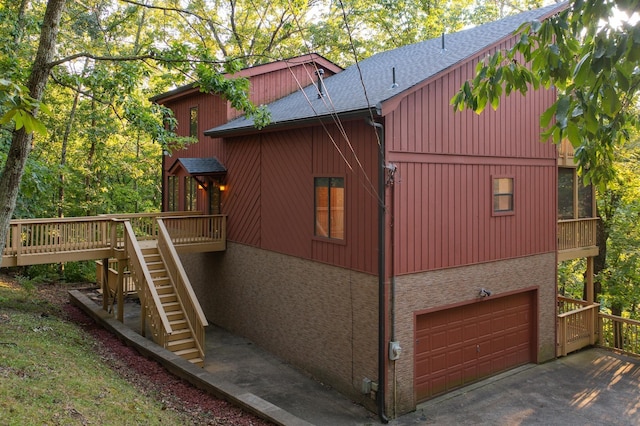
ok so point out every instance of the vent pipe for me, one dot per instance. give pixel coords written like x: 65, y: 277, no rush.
x: 443, y: 48
x: 393, y: 73
x: 320, y: 73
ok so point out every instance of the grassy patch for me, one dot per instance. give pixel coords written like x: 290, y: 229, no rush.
x: 51, y: 374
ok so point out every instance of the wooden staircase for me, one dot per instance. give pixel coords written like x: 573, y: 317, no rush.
x: 181, y: 341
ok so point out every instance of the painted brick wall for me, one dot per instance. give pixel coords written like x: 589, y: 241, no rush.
x: 318, y: 317
x: 419, y: 292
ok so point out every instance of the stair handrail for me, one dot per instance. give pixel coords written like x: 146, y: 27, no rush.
x: 134, y: 253
x: 192, y: 309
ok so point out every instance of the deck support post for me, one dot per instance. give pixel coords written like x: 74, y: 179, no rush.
x: 590, y: 298
x: 105, y: 284
x: 143, y: 315
x: 589, y: 277
x: 121, y: 265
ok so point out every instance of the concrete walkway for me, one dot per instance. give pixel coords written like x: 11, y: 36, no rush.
x: 591, y: 387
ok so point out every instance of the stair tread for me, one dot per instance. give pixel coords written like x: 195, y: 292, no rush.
x: 181, y: 341
x: 188, y: 351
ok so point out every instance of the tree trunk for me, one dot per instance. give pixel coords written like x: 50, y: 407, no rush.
x: 21, y: 140
x: 600, y: 261
x: 90, y: 155
x: 618, y: 328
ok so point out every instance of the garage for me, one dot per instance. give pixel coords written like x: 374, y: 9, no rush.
x: 460, y: 345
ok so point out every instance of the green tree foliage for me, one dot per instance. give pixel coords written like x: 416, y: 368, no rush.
x: 591, y: 59
x: 620, y: 207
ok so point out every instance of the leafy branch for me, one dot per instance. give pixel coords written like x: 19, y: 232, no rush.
x: 592, y: 65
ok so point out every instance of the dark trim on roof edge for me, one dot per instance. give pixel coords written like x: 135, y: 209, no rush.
x: 253, y: 71
x: 293, y: 124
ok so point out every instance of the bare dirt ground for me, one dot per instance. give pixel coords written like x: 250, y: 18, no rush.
x: 147, y: 375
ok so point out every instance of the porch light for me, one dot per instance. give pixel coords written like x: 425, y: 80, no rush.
x: 222, y: 188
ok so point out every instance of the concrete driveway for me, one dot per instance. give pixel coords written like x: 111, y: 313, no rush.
x: 592, y: 387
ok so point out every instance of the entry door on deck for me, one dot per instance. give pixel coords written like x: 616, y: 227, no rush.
x: 457, y: 346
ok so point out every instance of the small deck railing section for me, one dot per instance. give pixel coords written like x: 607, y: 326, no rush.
x: 149, y: 298
x: 190, y: 305
x: 144, y: 225
x: 129, y: 286
x: 577, y: 233
x: 193, y: 230
x: 566, y: 152
x: 577, y: 322
x: 619, y: 333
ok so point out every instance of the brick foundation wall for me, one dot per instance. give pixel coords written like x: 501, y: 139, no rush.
x: 429, y: 290
x: 318, y: 317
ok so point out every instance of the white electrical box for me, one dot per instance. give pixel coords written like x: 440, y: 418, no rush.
x: 394, y: 350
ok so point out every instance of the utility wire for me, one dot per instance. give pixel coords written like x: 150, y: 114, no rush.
x: 330, y: 106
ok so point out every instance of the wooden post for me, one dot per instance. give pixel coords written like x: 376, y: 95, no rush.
x: 589, y: 277
x: 17, y: 241
x: 121, y: 265
x: 105, y: 284
x: 143, y: 314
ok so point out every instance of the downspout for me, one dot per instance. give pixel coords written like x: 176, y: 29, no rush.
x: 380, y: 397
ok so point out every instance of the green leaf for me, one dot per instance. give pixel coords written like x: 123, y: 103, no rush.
x: 610, y: 102
x: 562, y: 109
x: 582, y: 70
x: 545, y: 118
x: 573, y: 134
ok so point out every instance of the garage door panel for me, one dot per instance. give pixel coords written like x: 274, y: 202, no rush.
x: 481, y: 339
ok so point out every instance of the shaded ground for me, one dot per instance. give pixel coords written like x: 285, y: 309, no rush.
x: 589, y: 387
x: 147, y: 375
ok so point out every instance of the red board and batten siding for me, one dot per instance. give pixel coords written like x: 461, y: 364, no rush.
x: 211, y: 112
x: 268, y: 87
x: 446, y: 161
x: 270, y: 203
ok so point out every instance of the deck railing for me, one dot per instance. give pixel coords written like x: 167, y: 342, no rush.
x: 149, y: 298
x: 619, y: 333
x: 192, y: 309
x: 197, y: 232
x: 32, y: 241
x: 144, y: 224
x: 57, y: 240
x: 576, y: 325
x: 577, y: 233
x: 128, y: 285
x: 580, y: 324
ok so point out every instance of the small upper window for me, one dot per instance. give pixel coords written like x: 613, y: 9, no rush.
x: 193, y: 122
x: 329, y: 207
x: 502, y: 195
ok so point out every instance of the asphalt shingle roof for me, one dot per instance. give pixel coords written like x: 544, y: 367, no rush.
x: 201, y: 166
x: 413, y: 64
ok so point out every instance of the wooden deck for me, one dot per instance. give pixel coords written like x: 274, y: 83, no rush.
x: 137, y: 253
x: 57, y: 240
x: 577, y: 238
x: 581, y: 324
